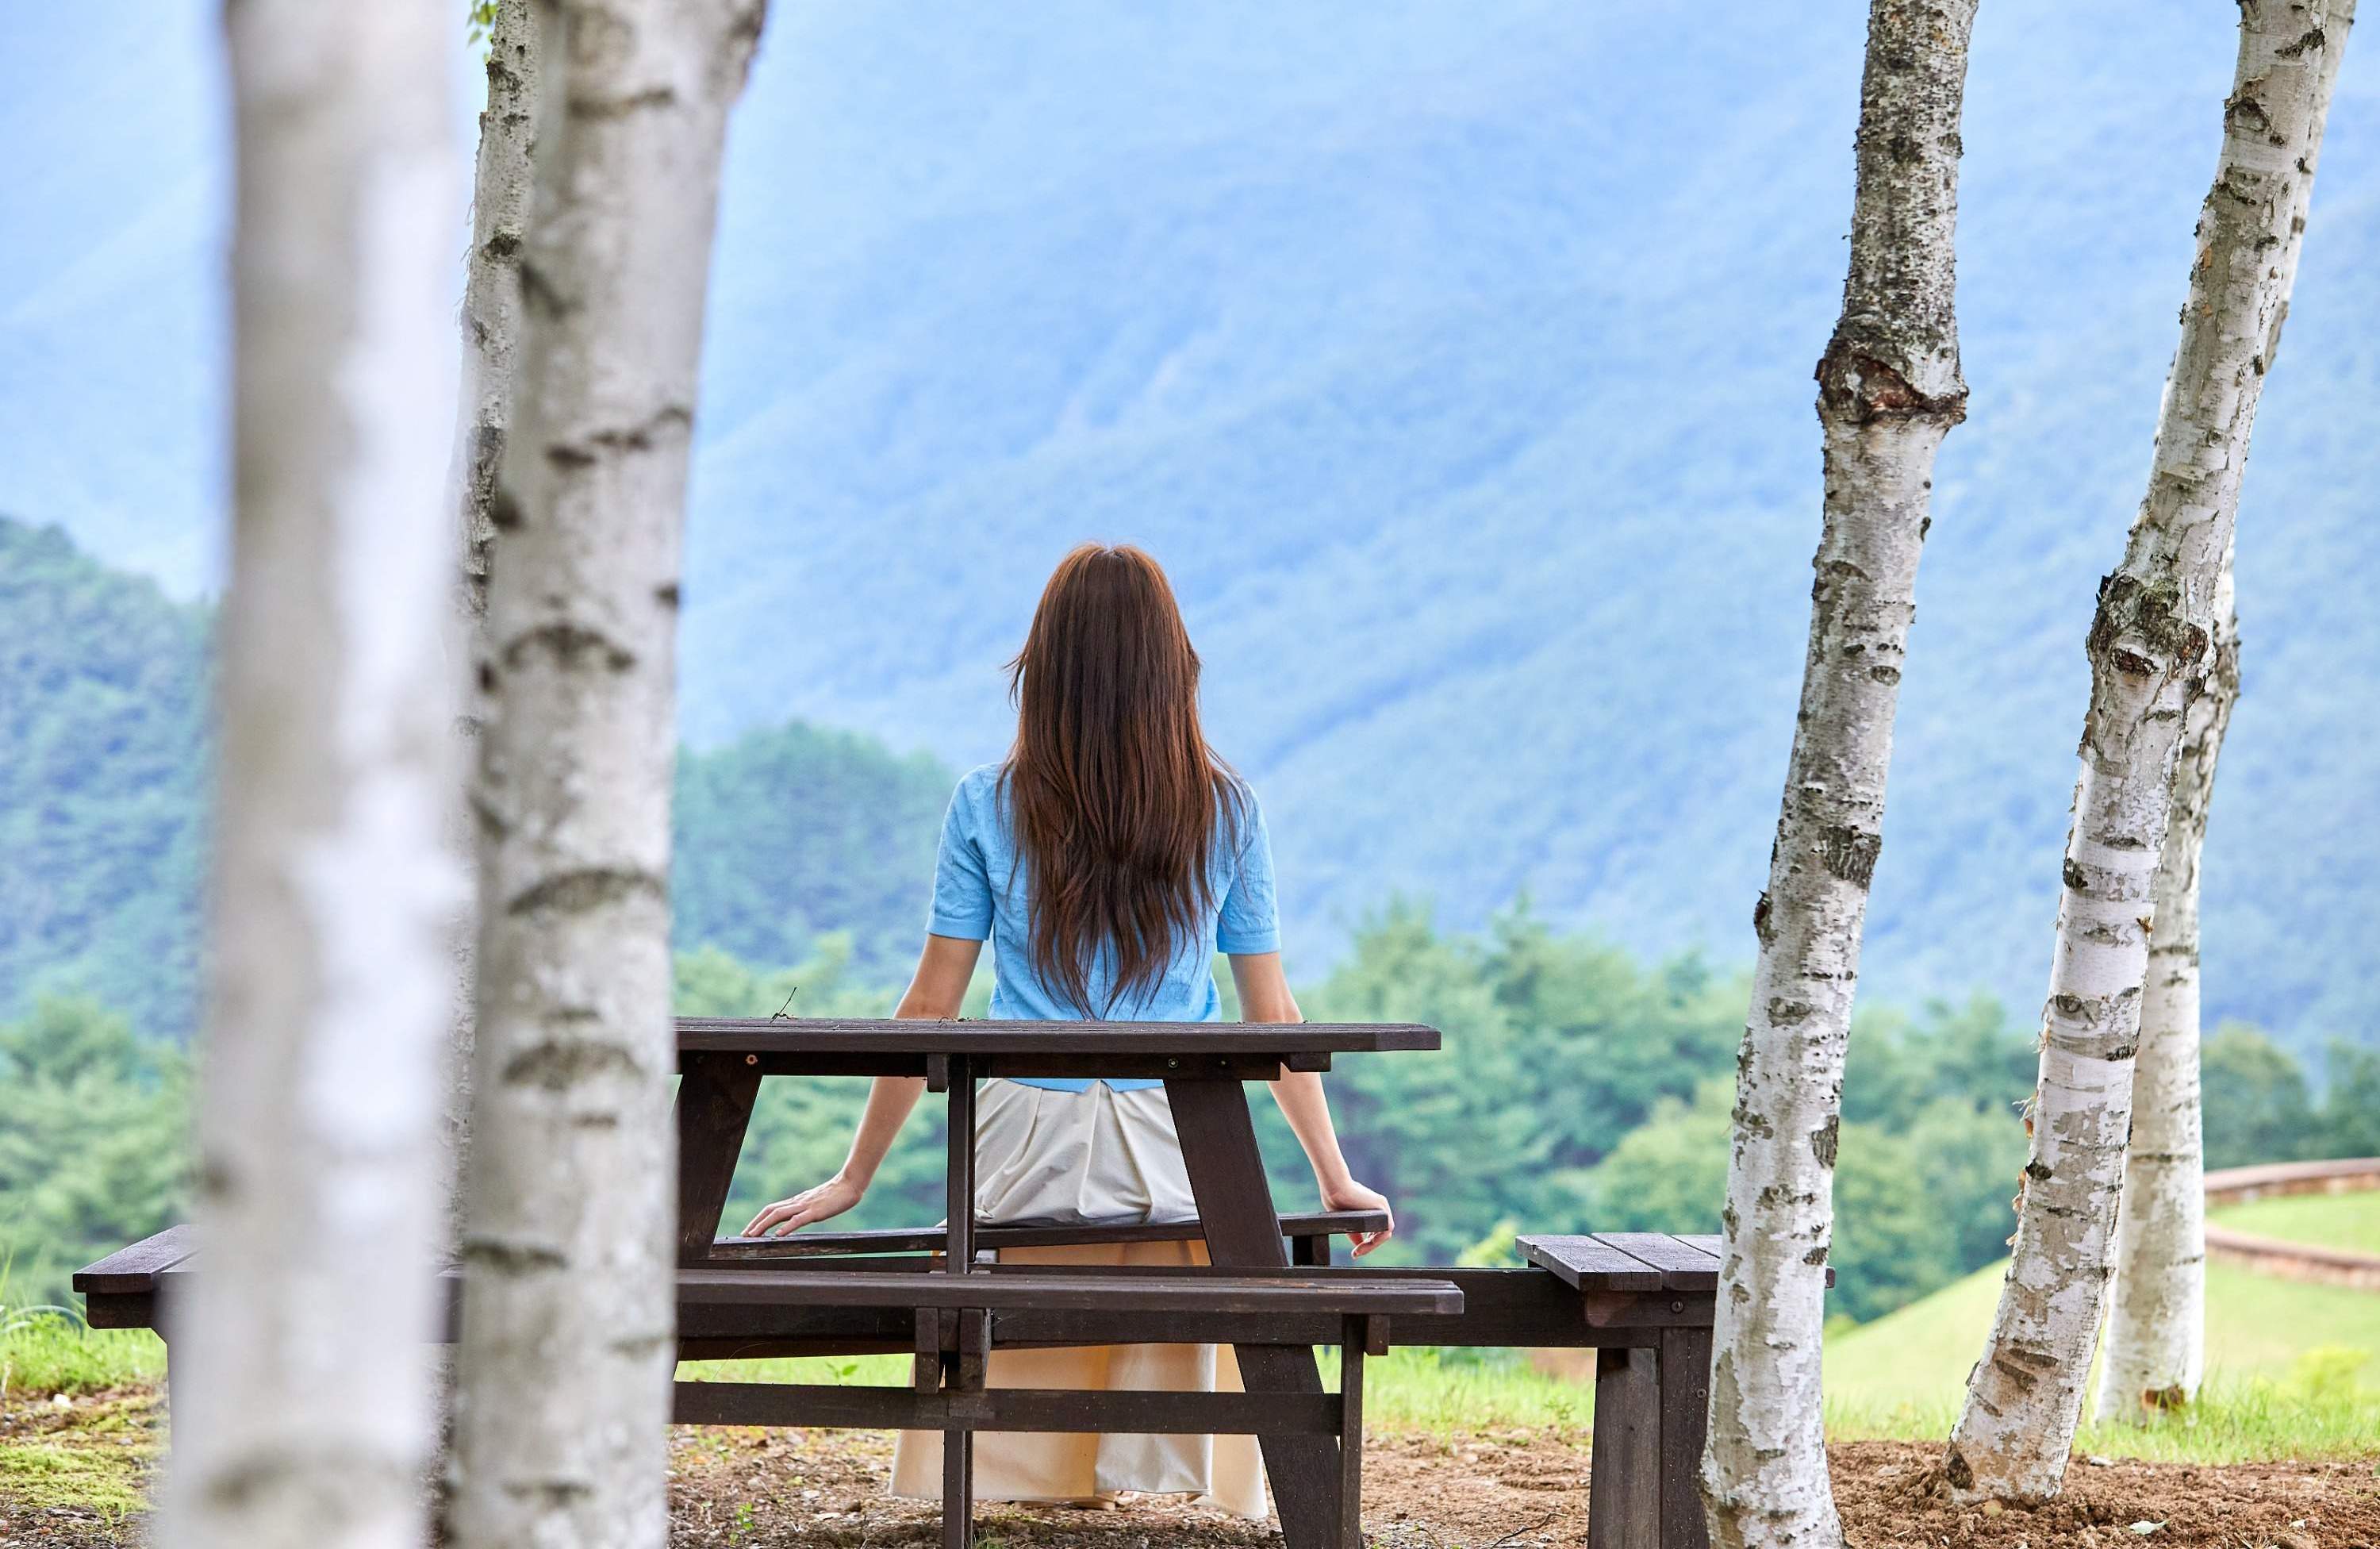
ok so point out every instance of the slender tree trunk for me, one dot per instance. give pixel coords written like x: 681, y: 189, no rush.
x: 2151, y: 646
x: 1889, y: 390
x: 500, y: 213
x: 300, y: 1351
x: 569, y: 1267
x: 2156, y: 1314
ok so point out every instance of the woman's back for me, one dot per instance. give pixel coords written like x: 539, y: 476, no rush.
x: 984, y: 891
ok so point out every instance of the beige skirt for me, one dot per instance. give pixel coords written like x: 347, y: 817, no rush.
x: 1097, y: 1155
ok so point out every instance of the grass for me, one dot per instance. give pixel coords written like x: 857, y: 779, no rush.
x: 49, y: 1349
x: 2293, y: 1370
x: 2258, y: 1328
x: 2349, y: 1221
x: 97, y: 1455
x: 2259, y: 1420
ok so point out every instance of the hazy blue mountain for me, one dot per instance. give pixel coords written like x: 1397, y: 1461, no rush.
x: 1456, y: 359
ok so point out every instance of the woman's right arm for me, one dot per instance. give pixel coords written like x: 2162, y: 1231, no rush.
x: 936, y: 992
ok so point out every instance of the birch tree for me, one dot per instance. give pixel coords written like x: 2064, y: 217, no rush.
x: 500, y: 210
x: 500, y: 213
x: 2151, y: 646
x: 2157, y: 1315
x: 569, y: 1342
x: 1889, y: 389
x: 2156, y: 1350
x: 302, y: 1347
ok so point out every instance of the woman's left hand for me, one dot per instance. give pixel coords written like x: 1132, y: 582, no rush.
x: 1351, y: 1195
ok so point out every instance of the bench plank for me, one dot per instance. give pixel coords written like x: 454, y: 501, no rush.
x: 135, y: 1268
x: 1715, y: 1245
x: 1132, y: 1412
x: 1683, y: 1266
x: 1024, y: 1234
x: 1590, y: 1263
x: 1026, y: 1291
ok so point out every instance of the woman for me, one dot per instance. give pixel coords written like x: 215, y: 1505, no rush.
x: 1107, y: 861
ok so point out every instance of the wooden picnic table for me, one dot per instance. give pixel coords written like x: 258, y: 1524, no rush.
x: 721, y: 1062
x: 1644, y: 1301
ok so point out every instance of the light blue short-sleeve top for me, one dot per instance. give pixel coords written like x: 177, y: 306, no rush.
x: 980, y: 893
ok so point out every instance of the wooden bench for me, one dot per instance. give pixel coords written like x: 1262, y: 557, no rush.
x: 1309, y: 1236
x: 1652, y: 1394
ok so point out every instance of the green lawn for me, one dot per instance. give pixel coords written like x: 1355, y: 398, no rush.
x: 2349, y: 1221
x: 2293, y: 1370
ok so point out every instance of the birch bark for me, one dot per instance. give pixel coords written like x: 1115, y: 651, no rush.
x: 500, y: 210
x: 1889, y: 389
x: 567, y: 1342
x: 2157, y: 1318
x: 300, y: 1351
x: 2151, y: 646
x: 500, y: 213
x: 2157, y: 1315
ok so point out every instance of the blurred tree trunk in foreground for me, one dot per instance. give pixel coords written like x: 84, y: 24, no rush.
x: 2157, y: 1315
x: 2152, y: 646
x: 1889, y: 390
x: 568, y: 1259
x: 302, y: 1354
x: 500, y: 215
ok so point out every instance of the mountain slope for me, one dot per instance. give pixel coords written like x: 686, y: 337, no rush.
x: 1456, y: 359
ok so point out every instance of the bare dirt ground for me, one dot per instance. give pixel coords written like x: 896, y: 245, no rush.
x: 65, y: 1474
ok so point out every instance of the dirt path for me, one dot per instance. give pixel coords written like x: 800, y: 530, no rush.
x: 66, y: 1475
x: 1517, y: 1490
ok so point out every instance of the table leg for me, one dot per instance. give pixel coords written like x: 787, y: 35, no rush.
x: 958, y: 1489
x: 1685, y: 1419
x: 959, y: 1199
x: 1623, y: 1482
x: 1219, y: 1147
x: 1350, y: 1436
x: 714, y: 1104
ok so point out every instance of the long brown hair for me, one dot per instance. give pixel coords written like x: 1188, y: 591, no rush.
x: 1117, y: 798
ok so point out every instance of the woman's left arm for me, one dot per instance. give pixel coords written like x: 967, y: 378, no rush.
x: 1265, y: 997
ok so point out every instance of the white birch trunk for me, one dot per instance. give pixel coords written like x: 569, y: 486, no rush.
x: 568, y: 1264
x: 1889, y: 390
x: 2157, y: 1312
x: 301, y: 1352
x: 2155, y: 1351
x: 2150, y: 648
x: 499, y: 213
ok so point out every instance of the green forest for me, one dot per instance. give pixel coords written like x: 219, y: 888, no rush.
x: 1577, y: 1084
x: 1580, y: 1081
x: 782, y: 836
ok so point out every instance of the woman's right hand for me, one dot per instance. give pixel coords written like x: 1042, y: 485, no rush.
x: 831, y: 1197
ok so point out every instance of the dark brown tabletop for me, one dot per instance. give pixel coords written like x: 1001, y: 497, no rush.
x: 1162, y: 1051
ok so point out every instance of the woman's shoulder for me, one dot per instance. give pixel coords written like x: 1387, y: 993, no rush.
x: 1242, y: 814
x: 978, y: 790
